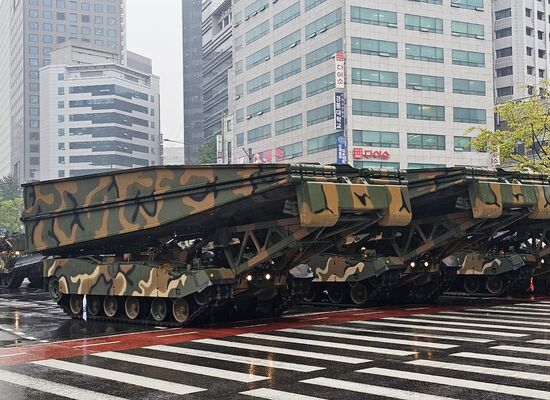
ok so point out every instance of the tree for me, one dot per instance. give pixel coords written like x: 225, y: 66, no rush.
x: 10, y: 212
x: 9, y: 188
x: 526, y: 126
x: 207, y: 151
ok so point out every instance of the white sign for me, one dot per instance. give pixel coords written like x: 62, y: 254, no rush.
x: 339, y: 70
x: 219, y: 149
x: 495, y: 157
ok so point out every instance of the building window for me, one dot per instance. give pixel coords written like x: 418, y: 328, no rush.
x: 375, y: 47
x: 529, y: 51
x: 507, y: 12
x: 468, y: 4
x: 61, y: 160
x: 322, y: 143
x: 61, y: 132
x: 34, y: 87
x: 34, y: 111
x: 98, y: 7
x: 505, y: 71
x: 423, y: 53
x: 425, y: 142
x: 34, y: 136
x: 60, y: 118
x: 60, y: 104
x: 286, y: 43
x: 61, y: 173
x: 259, y: 133
x: 309, y: 4
x: 468, y: 86
x: 542, y: 53
x: 320, y: 114
x: 425, y: 82
x: 257, y: 58
x: 61, y: 146
x: 288, y: 97
x: 33, y: 50
x: 33, y: 37
x: 240, y: 139
x: 375, y: 108
x: 323, y: 54
x: 462, y: 143
x: 323, y: 24
x: 239, y: 91
x: 372, y: 77
x: 98, y: 31
x: 85, y: 30
x: 376, y: 164
x: 425, y: 112
x: 60, y: 3
x: 34, y: 123
x: 286, y: 15
x: 256, y: 7
x: 541, y: 73
x: 528, y: 12
x: 33, y: 13
x: 529, y: 31
x: 238, y: 67
x: 289, y: 151
x: 503, y: 33
x: 286, y: 70
x: 540, y: 16
x: 60, y: 91
x: 47, y: 38
x: 238, y: 42
x: 375, y: 139
x: 288, y: 124
x: 60, y: 28
x: 468, y: 58
x: 469, y: 115
x: 505, y: 52
x: 373, y: 16
x: 257, y: 32
x: 505, y: 91
x: 98, y: 20
x: 33, y: 74
x: 320, y: 85
x: 258, y: 83
x: 34, y: 99
x: 423, y: 24
x: 424, y: 166
x: 259, y: 108
x: 239, y: 115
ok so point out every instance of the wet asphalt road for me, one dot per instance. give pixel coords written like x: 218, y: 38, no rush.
x: 465, y: 348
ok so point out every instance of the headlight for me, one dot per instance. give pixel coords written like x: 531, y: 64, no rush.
x: 413, y: 264
x: 426, y: 263
x: 249, y: 278
x: 268, y: 276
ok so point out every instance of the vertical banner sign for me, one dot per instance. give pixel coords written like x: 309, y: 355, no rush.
x: 341, y: 149
x: 219, y: 149
x: 339, y: 70
x: 495, y: 157
x: 339, y: 111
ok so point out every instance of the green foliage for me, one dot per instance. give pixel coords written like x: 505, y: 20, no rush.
x: 10, y: 212
x: 526, y: 122
x: 207, y: 152
x: 9, y: 188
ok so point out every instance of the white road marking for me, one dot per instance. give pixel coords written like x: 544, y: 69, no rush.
x: 521, y: 349
x: 271, y: 394
x: 483, y: 370
x: 372, y: 389
x: 131, y: 379
x: 281, y: 350
x: 461, y: 318
x: 463, y: 383
x: 370, y: 338
x: 413, y: 334
x: 250, y: 326
x: 182, y: 367
x: 58, y: 389
x: 12, y: 355
x: 95, y: 344
x: 332, y: 345
x: 540, y: 341
x: 474, y: 325
x: 264, y: 362
x: 440, y: 328
x: 488, y: 313
x: 507, y: 312
x: 505, y: 359
x: 367, y: 313
x: 177, y: 334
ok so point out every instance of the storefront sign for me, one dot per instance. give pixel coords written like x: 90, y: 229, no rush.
x: 359, y: 153
x: 219, y: 149
x: 339, y: 111
x: 341, y: 149
x: 339, y: 70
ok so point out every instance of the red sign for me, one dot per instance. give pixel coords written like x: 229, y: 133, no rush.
x: 358, y: 152
x: 339, y: 70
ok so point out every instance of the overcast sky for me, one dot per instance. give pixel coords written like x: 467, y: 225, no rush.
x: 154, y: 31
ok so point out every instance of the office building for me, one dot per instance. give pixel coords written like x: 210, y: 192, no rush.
x: 97, y: 115
x: 417, y: 75
x: 33, y: 29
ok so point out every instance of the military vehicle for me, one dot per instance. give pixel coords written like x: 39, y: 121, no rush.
x: 16, y: 265
x: 453, y: 209
x: 165, y: 245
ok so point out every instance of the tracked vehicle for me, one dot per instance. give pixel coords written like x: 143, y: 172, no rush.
x: 165, y: 245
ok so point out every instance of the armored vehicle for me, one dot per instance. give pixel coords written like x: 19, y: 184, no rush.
x: 165, y: 245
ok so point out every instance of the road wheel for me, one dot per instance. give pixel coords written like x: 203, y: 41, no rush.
x: 311, y: 293
x: 53, y: 289
x: 75, y: 304
x: 93, y: 304
x: 471, y: 284
x: 131, y: 307
x: 359, y: 294
x: 335, y: 293
x: 200, y: 298
x: 110, y: 306
x: 494, y: 284
x: 180, y: 310
x: 158, y: 309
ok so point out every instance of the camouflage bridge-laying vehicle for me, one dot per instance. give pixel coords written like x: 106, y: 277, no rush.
x: 166, y: 244
x: 453, y: 209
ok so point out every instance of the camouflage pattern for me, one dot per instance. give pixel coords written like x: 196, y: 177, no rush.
x: 334, y: 268
x: 476, y: 263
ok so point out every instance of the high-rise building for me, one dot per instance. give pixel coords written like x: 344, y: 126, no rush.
x: 5, y: 87
x: 521, y: 34
x: 97, y: 115
x: 35, y: 29
x: 417, y: 75
x: 192, y: 78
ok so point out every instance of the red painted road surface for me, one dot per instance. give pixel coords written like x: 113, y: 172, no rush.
x: 82, y: 347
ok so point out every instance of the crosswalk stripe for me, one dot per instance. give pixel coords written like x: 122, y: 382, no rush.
x: 483, y: 370
x: 505, y: 359
x: 534, y: 305
x: 474, y: 325
x: 237, y: 359
x: 370, y: 338
x: 280, y: 350
x: 332, y: 345
x: 372, y: 389
x: 137, y: 380
x: 54, y: 388
x: 464, y: 383
x: 182, y: 367
x: 415, y: 334
x: 487, y: 313
x: 522, y: 308
x: 440, y: 328
x: 522, y: 349
x: 271, y: 394
x: 461, y: 318
x: 507, y: 312
x: 540, y: 341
